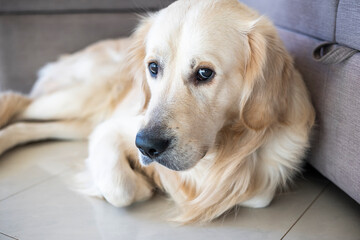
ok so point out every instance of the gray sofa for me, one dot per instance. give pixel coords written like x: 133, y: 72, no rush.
x: 332, y: 74
x: 35, y: 32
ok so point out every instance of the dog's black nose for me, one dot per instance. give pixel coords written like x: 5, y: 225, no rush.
x: 149, y: 145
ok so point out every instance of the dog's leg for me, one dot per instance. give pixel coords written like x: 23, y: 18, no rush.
x: 111, y: 175
x: 76, y: 102
x: 259, y: 201
x: 11, y: 104
x: 71, y: 103
x: 24, y: 132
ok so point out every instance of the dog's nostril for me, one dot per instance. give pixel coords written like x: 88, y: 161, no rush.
x: 150, y: 146
x: 152, y: 152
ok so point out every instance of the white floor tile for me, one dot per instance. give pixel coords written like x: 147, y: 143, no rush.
x: 50, y: 210
x: 25, y: 166
x: 333, y: 216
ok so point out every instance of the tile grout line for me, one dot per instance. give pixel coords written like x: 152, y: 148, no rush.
x: 8, y: 236
x: 302, y: 214
x: 35, y: 184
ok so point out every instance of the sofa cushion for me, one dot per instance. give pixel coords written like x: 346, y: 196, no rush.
x: 348, y: 23
x: 10, y: 6
x: 315, y: 18
x: 27, y: 42
x: 334, y: 90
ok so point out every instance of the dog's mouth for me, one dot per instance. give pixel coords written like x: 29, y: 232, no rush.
x: 166, y: 160
x: 173, y: 161
x: 145, y: 160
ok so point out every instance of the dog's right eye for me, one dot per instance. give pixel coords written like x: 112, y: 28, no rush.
x: 204, y: 74
x: 153, y: 69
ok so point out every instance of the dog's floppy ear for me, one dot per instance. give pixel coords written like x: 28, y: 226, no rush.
x: 266, y: 80
x: 136, y: 56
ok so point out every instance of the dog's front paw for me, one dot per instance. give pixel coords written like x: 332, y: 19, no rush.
x: 119, y: 184
x: 122, y: 191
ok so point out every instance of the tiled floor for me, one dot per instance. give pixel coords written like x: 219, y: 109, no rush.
x: 36, y: 203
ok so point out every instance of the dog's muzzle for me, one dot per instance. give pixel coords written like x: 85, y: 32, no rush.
x: 151, y: 146
x: 159, y: 144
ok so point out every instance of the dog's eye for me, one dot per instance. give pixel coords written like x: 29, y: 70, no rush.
x: 154, y: 69
x: 204, y: 74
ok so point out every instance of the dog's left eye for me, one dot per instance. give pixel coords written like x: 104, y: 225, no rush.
x: 204, y: 74
x: 153, y: 69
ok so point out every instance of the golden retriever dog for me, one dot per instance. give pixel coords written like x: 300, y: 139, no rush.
x: 202, y: 102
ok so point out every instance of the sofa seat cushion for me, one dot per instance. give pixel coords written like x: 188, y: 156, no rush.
x: 28, y: 42
x: 11, y: 6
x: 314, y: 18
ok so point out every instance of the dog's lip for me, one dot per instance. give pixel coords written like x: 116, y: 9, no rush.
x: 205, y: 152
x: 145, y: 160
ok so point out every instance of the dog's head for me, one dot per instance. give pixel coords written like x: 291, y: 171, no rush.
x: 209, y: 64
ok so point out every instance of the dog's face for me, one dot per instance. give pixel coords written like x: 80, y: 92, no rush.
x: 197, y: 53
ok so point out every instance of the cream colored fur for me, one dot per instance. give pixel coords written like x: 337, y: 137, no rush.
x: 252, y: 121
